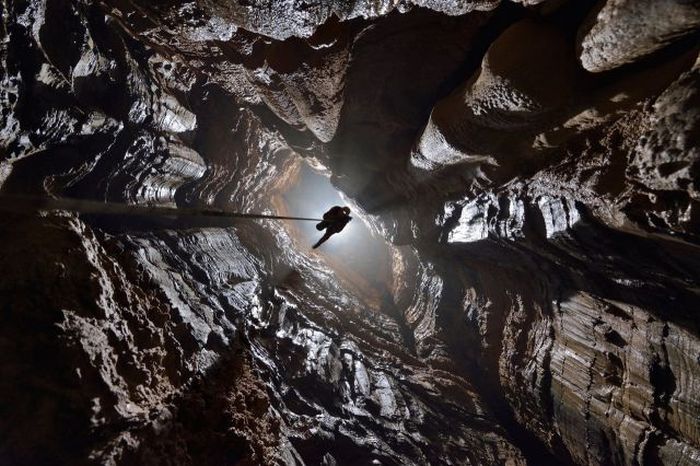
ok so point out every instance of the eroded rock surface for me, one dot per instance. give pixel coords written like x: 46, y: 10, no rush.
x: 623, y: 31
x: 541, y: 223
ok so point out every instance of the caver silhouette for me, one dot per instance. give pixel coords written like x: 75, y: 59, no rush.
x: 333, y: 222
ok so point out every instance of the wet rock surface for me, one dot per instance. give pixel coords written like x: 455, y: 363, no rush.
x: 532, y: 167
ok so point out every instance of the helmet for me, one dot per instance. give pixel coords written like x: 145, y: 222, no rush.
x: 346, y: 210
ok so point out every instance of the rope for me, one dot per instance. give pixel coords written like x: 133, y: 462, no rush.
x: 28, y: 203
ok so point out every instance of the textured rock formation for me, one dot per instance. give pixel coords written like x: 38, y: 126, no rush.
x: 625, y: 30
x: 281, y: 19
x: 526, y: 75
x: 541, y: 224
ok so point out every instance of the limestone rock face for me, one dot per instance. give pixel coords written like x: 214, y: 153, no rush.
x: 666, y: 160
x: 281, y: 19
x: 626, y: 30
x: 533, y: 298
x: 526, y: 75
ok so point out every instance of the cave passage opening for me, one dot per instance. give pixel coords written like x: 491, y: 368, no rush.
x: 356, y: 252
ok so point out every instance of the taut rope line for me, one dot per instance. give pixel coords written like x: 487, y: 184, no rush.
x: 29, y: 203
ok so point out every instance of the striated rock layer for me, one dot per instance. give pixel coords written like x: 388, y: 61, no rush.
x: 532, y: 167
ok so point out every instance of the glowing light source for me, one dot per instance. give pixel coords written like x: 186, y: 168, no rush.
x: 355, y: 248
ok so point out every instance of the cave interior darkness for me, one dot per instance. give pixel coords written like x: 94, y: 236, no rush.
x: 519, y: 285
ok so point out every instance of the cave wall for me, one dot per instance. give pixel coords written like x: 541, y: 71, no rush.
x: 532, y: 165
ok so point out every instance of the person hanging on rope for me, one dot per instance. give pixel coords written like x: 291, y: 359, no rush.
x: 333, y: 222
